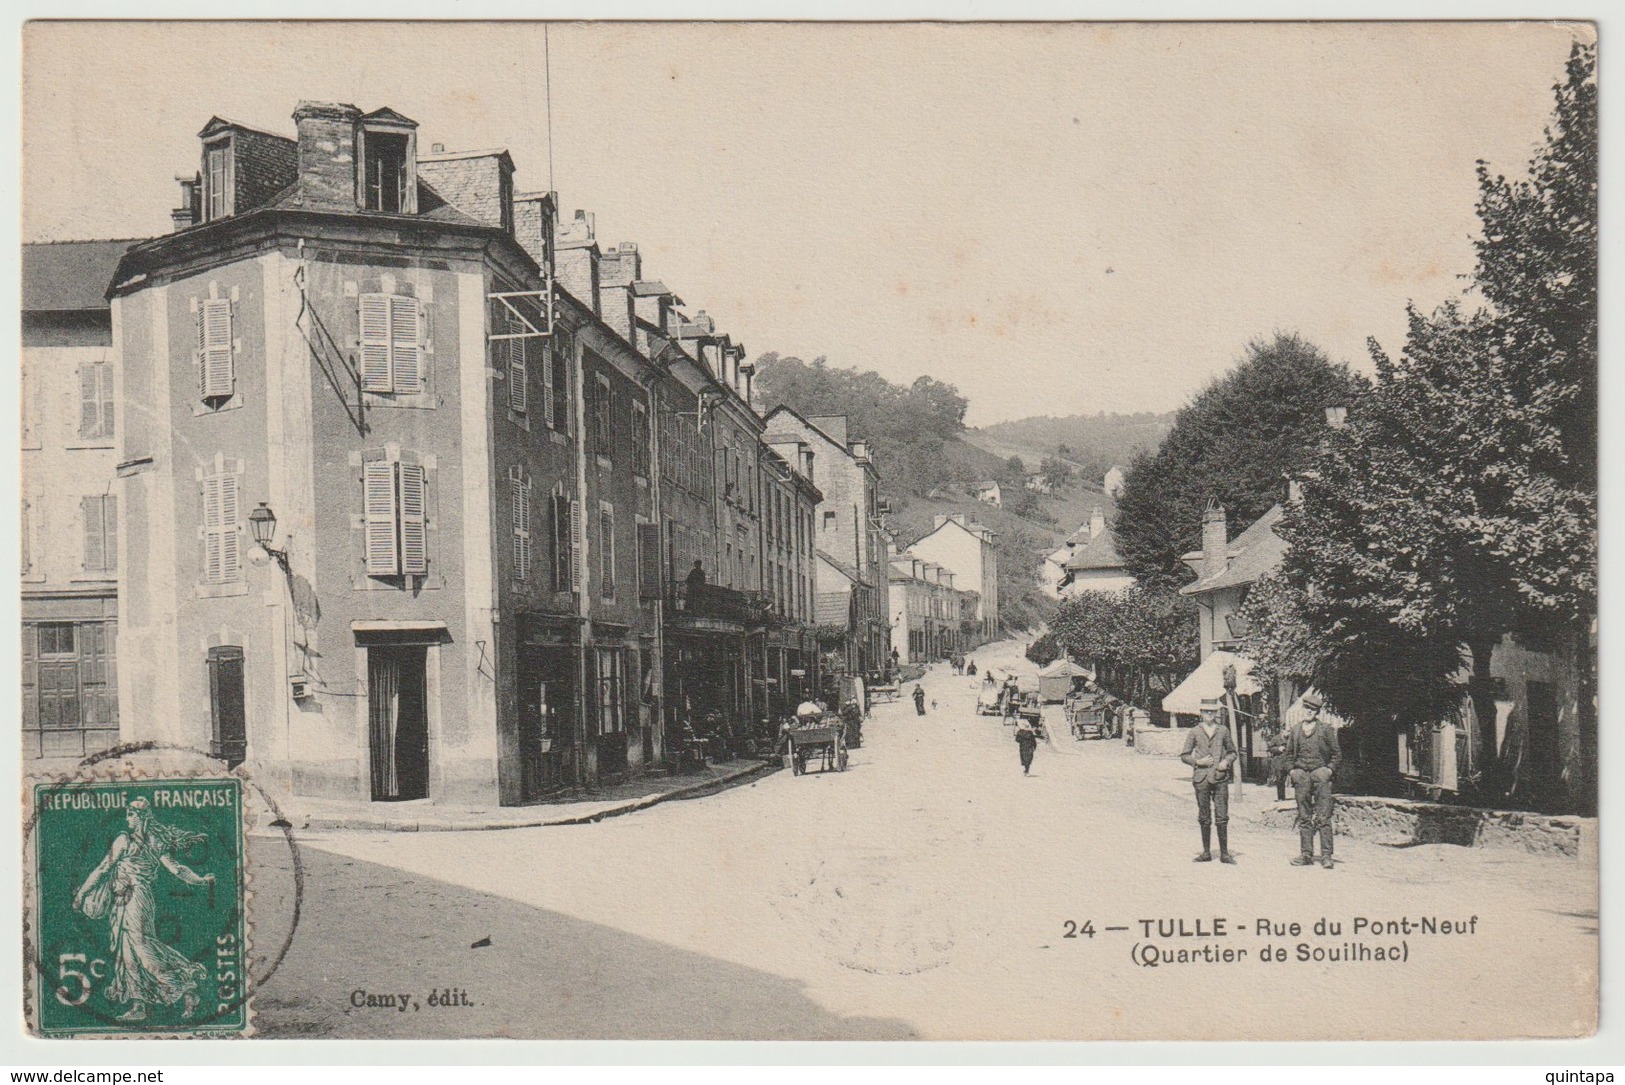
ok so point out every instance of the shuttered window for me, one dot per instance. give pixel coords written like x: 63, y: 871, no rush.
x: 96, y: 401
x: 649, y: 565
x: 606, y: 552
x: 640, y: 440
x: 518, y: 371
x: 520, y: 502
x: 222, y: 545
x: 561, y: 386
x: 391, y: 344
x: 395, y: 518
x: 100, y: 516
x: 216, y: 371
x: 549, y: 398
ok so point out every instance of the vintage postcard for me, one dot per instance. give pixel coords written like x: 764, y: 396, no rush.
x: 1138, y: 582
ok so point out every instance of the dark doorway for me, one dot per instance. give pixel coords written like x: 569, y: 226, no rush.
x: 546, y: 719
x: 398, y: 721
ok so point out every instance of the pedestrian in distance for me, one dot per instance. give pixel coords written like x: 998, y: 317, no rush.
x: 1313, y: 753
x: 919, y: 701
x: 1210, y: 752
x: 1026, y: 743
x: 970, y: 668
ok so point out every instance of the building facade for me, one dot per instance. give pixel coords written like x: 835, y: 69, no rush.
x: 848, y: 535
x: 966, y: 549
x: 68, y: 518
x: 927, y: 610
x: 415, y: 478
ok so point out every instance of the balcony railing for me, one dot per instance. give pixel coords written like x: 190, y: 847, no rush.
x: 723, y: 604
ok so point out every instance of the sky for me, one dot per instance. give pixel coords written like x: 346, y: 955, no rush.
x: 1058, y: 219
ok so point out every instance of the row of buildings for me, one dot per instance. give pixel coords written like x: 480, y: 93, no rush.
x: 400, y: 486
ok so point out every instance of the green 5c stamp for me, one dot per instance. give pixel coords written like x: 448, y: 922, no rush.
x: 137, y: 902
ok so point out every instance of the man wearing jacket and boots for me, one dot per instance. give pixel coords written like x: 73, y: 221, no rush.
x: 1313, y: 754
x: 1210, y: 751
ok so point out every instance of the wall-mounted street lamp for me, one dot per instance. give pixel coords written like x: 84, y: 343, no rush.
x: 262, y: 523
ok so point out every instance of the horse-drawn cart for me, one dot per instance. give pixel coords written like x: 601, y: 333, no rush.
x: 821, y: 742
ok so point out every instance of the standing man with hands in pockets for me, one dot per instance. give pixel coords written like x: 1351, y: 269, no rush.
x: 1313, y: 754
x: 1210, y: 751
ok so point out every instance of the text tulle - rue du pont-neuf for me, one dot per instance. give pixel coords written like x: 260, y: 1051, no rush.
x: 1356, y: 940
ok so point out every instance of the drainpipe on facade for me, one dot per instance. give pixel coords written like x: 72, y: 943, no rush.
x: 658, y: 665
x: 578, y: 407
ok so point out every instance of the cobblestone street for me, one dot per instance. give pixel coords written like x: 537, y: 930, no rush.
x: 925, y: 893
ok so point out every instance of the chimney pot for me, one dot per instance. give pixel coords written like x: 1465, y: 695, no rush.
x: 1215, y: 540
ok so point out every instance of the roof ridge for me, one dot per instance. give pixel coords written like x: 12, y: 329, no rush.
x: 88, y: 241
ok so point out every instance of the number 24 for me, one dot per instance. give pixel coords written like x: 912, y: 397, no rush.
x: 1073, y: 930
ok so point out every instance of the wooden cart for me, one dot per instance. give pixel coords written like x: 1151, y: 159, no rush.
x: 824, y: 742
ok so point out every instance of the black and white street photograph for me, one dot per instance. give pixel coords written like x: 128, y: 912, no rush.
x: 809, y: 531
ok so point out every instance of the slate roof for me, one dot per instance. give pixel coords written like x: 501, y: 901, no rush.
x: 1254, y: 554
x: 66, y: 276
x: 1099, y: 553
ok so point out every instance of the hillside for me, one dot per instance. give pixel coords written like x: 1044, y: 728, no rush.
x: 1093, y: 442
x: 929, y: 465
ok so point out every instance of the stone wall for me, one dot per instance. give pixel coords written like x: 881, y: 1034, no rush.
x: 1403, y: 822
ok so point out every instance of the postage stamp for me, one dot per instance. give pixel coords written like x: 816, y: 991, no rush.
x: 137, y: 907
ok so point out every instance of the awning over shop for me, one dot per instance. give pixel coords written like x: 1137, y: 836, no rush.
x: 1207, y: 682
x: 1297, y: 714
x: 1065, y: 668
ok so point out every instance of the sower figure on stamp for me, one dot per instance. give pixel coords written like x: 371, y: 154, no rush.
x: 1313, y: 754
x: 1210, y: 752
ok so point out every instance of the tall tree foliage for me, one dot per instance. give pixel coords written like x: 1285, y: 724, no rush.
x: 1140, y: 642
x: 1232, y: 444
x: 1459, y: 504
x: 905, y: 426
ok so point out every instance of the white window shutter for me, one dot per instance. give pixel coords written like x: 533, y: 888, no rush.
x: 230, y: 541
x: 215, y: 370
x: 90, y: 406
x: 375, y: 339
x: 90, y: 512
x: 414, y: 521
x: 405, y: 333
x: 547, y: 385
x: 518, y: 374
x: 521, y: 529
x: 575, y: 546
x: 378, y: 500
x: 606, y: 553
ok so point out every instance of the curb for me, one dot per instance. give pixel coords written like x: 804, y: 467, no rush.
x: 539, y: 820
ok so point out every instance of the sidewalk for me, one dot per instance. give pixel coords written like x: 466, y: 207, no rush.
x: 428, y: 816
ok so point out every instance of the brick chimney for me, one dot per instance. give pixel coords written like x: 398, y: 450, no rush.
x: 1215, y: 542
x: 575, y: 254
x: 534, y: 223
x: 618, y: 269
x: 188, y: 212
x: 807, y: 455
x: 327, y: 170
x: 1097, y: 522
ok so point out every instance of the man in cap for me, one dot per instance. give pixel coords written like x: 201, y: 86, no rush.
x: 1210, y: 751
x: 1313, y: 754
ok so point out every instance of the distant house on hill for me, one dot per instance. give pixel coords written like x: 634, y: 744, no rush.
x: 989, y: 493
x: 1094, y: 564
x: 1113, y: 483
x: 1039, y: 484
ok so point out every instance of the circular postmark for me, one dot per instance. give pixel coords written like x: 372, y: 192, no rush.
x: 138, y: 909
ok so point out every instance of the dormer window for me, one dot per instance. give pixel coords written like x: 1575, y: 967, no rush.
x: 386, y: 162
x: 385, y: 172
x: 217, y: 180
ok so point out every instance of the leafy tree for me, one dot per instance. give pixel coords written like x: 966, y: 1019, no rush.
x: 1459, y: 504
x: 1140, y: 642
x: 1232, y: 443
x: 905, y: 427
x: 1044, y: 651
x: 1055, y: 471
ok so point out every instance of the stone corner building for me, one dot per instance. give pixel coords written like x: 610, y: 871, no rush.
x: 442, y: 410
